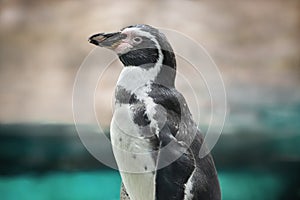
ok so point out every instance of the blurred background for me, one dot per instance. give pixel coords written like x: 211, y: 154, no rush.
x: 255, y: 44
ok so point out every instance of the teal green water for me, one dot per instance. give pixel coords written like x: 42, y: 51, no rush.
x: 104, y: 185
x: 249, y: 185
x: 62, y: 186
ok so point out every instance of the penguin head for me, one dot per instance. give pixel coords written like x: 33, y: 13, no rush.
x: 137, y: 45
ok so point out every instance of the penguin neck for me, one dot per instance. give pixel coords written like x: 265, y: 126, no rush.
x: 134, y: 77
x: 162, y: 72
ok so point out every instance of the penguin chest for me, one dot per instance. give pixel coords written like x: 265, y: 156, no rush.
x: 134, y: 150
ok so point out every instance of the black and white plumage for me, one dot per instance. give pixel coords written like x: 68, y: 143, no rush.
x: 155, y: 141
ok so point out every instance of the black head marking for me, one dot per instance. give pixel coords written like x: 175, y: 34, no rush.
x: 144, y: 57
x: 146, y: 52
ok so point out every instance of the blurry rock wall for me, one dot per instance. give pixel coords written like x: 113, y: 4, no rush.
x: 255, y: 44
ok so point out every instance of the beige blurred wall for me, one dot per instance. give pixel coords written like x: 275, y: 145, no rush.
x: 43, y: 43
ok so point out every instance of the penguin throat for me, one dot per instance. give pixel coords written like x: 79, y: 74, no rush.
x: 134, y: 77
x: 141, y: 68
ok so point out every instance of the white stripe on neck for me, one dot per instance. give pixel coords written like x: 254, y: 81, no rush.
x: 132, y: 77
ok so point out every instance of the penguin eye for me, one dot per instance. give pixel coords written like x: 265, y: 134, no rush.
x: 137, y: 40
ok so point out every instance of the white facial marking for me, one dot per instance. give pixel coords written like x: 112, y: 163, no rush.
x: 122, y: 48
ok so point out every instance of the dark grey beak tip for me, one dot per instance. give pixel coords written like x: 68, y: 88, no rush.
x: 104, y: 39
x: 93, y: 39
x: 90, y: 40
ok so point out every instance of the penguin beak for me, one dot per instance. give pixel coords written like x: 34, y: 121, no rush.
x: 107, y: 40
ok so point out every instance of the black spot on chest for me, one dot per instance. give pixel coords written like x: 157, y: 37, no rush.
x: 122, y: 95
x: 139, y: 114
x: 138, y: 108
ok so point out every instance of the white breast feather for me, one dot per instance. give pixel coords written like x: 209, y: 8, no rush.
x: 139, y: 186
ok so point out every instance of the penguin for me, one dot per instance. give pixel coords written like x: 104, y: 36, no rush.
x: 155, y: 141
